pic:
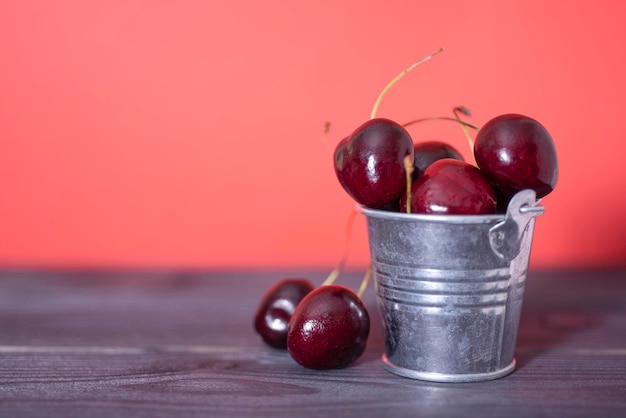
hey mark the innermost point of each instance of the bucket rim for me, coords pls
(429, 217)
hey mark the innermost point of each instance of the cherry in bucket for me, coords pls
(427, 152)
(369, 163)
(516, 152)
(451, 187)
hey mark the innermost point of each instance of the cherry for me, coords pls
(427, 152)
(516, 152)
(369, 162)
(329, 328)
(451, 187)
(276, 308)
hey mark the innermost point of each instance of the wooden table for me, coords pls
(180, 343)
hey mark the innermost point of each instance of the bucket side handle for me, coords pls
(505, 237)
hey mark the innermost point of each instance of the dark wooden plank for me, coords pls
(124, 343)
(238, 382)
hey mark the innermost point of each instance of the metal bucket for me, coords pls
(450, 289)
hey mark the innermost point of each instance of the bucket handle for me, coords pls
(505, 237)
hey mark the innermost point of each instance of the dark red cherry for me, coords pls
(329, 328)
(276, 309)
(451, 187)
(370, 162)
(516, 152)
(427, 152)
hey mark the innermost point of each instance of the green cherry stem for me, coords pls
(365, 281)
(398, 78)
(463, 123)
(342, 263)
(409, 167)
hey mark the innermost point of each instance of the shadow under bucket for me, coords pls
(450, 289)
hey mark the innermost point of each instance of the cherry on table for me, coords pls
(329, 328)
(276, 308)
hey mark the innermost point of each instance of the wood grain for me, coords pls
(180, 343)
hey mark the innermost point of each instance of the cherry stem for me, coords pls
(398, 78)
(463, 123)
(409, 167)
(466, 112)
(342, 263)
(365, 281)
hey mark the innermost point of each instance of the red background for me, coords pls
(190, 133)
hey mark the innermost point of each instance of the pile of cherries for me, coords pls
(512, 152)
(322, 328)
(381, 167)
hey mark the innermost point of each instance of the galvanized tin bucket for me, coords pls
(450, 289)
